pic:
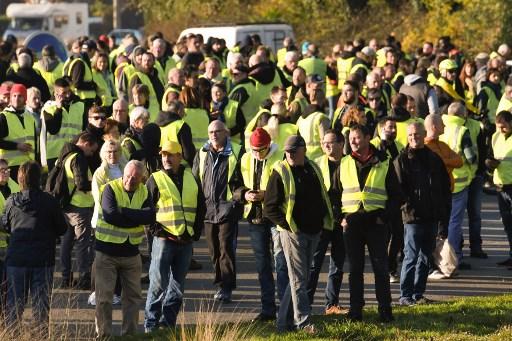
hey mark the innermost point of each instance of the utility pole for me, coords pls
(116, 13)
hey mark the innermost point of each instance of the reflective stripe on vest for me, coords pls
(112, 234)
(232, 160)
(83, 94)
(79, 198)
(198, 121)
(374, 194)
(20, 134)
(502, 150)
(176, 211)
(309, 130)
(71, 126)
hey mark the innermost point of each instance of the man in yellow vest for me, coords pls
(458, 137)
(18, 138)
(79, 211)
(163, 62)
(366, 187)
(332, 146)
(120, 114)
(296, 201)
(64, 119)
(244, 92)
(256, 167)
(126, 206)
(180, 210)
(500, 162)
(217, 167)
(79, 70)
(175, 81)
(506, 99)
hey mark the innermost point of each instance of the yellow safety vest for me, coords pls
(376, 143)
(313, 65)
(401, 131)
(170, 131)
(232, 160)
(19, 133)
(374, 194)
(263, 90)
(448, 88)
(50, 76)
(154, 105)
(247, 167)
(124, 145)
(176, 211)
(492, 104)
(453, 132)
(169, 89)
(323, 164)
(344, 66)
(251, 106)
(504, 105)
(502, 150)
(285, 130)
(251, 126)
(230, 117)
(356, 67)
(112, 234)
(308, 129)
(79, 198)
(83, 94)
(281, 54)
(283, 169)
(70, 127)
(103, 88)
(198, 121)
(474, 129)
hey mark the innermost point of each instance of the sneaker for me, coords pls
(424, 300)
(223, 296)
(437, 275)
(478, 254)
(464, 266)
(92, 299)
(507, 262)
(336, 310)
(194, 265)
(406, 302)
(116, 300)
(393, 277)
(217, 295)
(263, 318)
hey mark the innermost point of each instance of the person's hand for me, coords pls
(215, 114)
(259, 195)
(492, 163)
(250, 196)
(24, 147)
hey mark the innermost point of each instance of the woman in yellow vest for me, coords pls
(195, 115)
(488, 98)
(139, 98)
(104, 81)
(226, 110)
(466, 79)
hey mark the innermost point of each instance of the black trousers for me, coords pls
(220, 239)
(396, 240)
(363, 230)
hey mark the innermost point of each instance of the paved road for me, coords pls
(70, 309)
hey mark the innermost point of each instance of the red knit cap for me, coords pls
(19, 89)
(260, 138)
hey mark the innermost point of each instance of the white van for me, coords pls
(67, 21)
(272, 35)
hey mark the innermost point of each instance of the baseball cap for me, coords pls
(171, 147)
(447, 64)
(293, 142)
(368, 51)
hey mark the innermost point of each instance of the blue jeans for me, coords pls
(298, 249)
(279, 263)
(474, 213)
(21, 280)
(332, 289)
(418, 243)
(505, 205)
(167, 272)
(261, 239)
(459, 203)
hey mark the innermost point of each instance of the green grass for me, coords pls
(475, 318)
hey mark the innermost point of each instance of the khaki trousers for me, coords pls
(129, 270)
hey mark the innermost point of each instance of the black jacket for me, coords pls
(30, 78)
(79, 166)
(34, 220)
(426, 185)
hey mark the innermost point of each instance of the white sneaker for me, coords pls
(116, 300)
(437, 275)
(92, 299)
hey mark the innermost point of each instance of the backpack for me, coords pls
(57, 183)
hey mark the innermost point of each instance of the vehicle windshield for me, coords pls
(27, 24)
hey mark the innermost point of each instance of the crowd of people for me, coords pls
(161, 142)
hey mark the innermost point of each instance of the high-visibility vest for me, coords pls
(124, 145)
(356, 67)
(154, 105)
(331, 90)
(323, 164)
(448, 88)
(504, 105)
(453, 132)
(170, 131)
(229, 112)
(502, 150)
(344, 65)
(103, 87)
(474, 129)
(232, 160)
(198, 121)
(374, 194)
(281, 54)
(50, 76)
(376, 143)
(308, 129)
(167, 91)
(247, 167)
(251, 106)
(79, 198)
(313, 65)
(19, 133)
(283, 169)
(285, 130)
(14, 187)
(112, 234)
(263, 90)
(251, 126)
(83, 94)
(176, 211)
(492, 104)
(70, 127)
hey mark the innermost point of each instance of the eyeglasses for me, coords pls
(4, 170)
(96, 118)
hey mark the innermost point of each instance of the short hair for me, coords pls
(61, 83)
(276, 89)
(4, 162)
(87, 138)
(107, 144)
(399, 100)
(361, 128)
(221, 86)
(504, 117)
(432, 119)
(290, 55)
(96, 109)
(24, 60)
(491, 71)
(417, 124)
(175, 106)
(33, 91)
(457, 109)
(139, 165)
(138, 113)
(141, 89)
(339, 136)
(111, 123)
(29, 175)
(384, 120)
(352, 84)
(374, 92)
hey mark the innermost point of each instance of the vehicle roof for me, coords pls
(41, 10)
